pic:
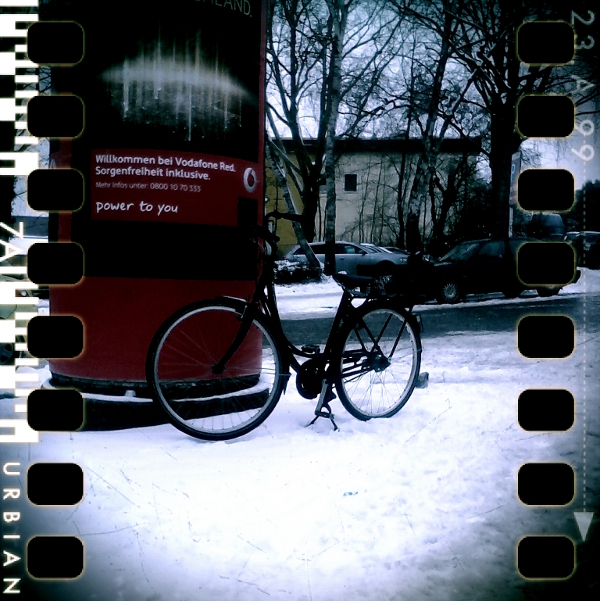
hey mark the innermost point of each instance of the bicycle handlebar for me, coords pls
(265, 233)
(288, 216)
(269, 236)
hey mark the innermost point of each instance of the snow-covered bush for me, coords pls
(292, 272)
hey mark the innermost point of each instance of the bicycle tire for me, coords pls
(377, 380)
(179, 371)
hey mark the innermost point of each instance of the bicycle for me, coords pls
(219, 367)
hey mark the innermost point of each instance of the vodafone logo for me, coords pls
(250, 179)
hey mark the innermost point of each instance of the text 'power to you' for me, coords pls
(143, 207)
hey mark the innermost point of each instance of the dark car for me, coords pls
(349, 255)
(546, 226)
(587, 248)
(481, 266)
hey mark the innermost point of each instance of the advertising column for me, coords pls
(172, 159)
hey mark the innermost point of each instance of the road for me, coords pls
(504, 317)
(441, 320)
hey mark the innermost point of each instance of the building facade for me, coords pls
(373, 181)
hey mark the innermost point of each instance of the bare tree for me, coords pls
(433, 96)
(325, 59)
(486, 44)
(338, 20)
(459, 173)
(476, 79)
(281, 181)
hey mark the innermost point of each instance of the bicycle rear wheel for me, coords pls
(205, 402)
(379, 363)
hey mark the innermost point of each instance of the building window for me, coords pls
(350, 182)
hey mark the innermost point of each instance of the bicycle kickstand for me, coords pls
(323, 409)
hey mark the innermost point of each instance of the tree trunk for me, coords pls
(310, 200)
(381, 225)
(421, 180)
(413, 236)
(282, 184)
(501, 150)
(330, 207)
(427, 158)
(449, 198)
(400, 240)
(338, 13)
(434, 217)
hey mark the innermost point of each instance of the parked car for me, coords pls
(481, 266)
(546, 226)
(395, 249)
(587, 248)
(349, 255)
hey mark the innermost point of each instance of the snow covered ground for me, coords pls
(420, 506)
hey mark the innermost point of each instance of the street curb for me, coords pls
(101, 415)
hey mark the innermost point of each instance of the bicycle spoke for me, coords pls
(217, 405)
(379, 364)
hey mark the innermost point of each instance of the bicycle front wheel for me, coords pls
(380, 362)
(201, 398)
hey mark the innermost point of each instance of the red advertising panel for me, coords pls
(168, 186)
(172, 159)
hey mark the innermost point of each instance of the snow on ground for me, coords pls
(420, 506)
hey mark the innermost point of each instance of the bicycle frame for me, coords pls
(359, 343)
(264, 301)
(344, 311)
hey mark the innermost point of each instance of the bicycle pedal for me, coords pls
(313, 349)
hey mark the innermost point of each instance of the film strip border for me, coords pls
(25, 118)
(543, 264)
(549, 264)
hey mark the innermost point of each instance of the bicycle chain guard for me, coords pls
(310, 378)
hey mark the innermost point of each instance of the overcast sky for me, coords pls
(561, 154)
